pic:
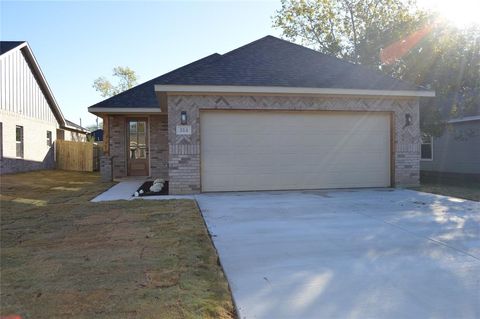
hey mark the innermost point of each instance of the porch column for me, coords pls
(106, 169)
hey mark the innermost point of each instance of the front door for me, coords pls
(137, 147)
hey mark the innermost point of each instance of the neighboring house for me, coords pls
(96, 135)
(30, 118)
(74, 133)
(270, 115)
(455, 152)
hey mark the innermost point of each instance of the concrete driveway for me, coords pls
(348, 254)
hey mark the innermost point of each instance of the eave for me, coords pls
(229, 89)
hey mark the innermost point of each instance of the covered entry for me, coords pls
(281, 150)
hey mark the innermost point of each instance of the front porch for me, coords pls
(135, 146)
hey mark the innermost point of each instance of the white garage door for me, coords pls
(270, 150)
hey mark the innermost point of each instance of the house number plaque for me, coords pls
(184, 130)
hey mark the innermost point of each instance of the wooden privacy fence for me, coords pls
(97, 152)
(75, 156)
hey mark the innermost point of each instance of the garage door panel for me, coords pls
(297, 141)
(248, 150)
(304, 174)
(309, 163)
(355, 158)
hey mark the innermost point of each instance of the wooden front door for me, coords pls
(137, 147)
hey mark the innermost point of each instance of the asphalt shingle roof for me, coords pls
(143, 95)
(6, 46)
(268, 61)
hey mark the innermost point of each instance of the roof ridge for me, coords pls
(247, 45)
(340, 60)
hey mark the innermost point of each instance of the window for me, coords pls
(19, 140)
(138, 139)
(427, 147)
(49, 138)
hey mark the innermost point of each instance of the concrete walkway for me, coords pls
(348, 254)
(124, 190)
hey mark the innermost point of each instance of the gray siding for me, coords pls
(457, 150)
(19, 90)
(22, 103)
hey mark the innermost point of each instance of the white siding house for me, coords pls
(30, 118)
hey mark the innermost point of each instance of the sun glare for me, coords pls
(460, 12)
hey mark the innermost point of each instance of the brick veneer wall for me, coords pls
(184, 151)
(36, 153)
(158, 146)
(106, 168)
(158, 150)
(118, 153)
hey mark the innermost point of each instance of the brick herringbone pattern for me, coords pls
(184, 151)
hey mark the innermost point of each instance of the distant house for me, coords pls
(30, 118)
(455, 152)
(97, 135)
(74, 133)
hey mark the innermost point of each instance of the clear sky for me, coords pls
(76, 42)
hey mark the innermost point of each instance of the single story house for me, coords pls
(454, 154)
(30, 118)
(270, 115)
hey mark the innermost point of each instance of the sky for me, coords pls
(76, 42)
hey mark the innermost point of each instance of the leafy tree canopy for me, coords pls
(398, 38)
(126, 80)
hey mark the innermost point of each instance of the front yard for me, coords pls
(63, 257)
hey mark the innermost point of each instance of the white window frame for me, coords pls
(431, 149)
(21, 142)
(49, 139)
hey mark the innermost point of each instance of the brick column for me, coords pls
(106, 168)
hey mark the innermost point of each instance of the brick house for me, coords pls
(270, 115)
(30, 118)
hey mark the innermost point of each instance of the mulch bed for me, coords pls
(146, 189)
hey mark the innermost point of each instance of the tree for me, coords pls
(400, 40)
(353, 30)
(126, 80)
(448, 61)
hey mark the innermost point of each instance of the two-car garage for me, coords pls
(271, 115)
(281, 150)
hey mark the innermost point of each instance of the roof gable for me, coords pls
(270, 61)
(10, 46)
(24, 47)
(6, 46)
(267, 62)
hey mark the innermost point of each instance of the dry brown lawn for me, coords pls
(461, 189)
(64, 257)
